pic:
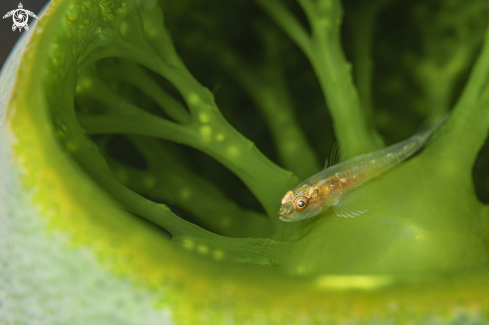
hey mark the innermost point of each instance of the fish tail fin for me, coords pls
(428, 130)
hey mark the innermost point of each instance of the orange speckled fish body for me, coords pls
(327, 188)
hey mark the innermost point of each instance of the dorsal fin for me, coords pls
(335, 155)
(334, 159)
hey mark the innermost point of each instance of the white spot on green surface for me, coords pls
(345, 282)
(206, 133)
(203, 249)
(193, 99)
(218, 254)
(220, 137)
(233, 151)
(324, 23)
(123, 28)
(204, 118)
(301, 269)
(188, 243)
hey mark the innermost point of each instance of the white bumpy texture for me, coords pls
(42, 279)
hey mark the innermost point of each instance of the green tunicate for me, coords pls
(162, 135)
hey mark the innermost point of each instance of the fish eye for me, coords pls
(300, 203)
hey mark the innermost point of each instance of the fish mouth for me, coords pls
(285, 212)
(285, 219)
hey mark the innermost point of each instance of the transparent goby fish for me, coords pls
(330, 187)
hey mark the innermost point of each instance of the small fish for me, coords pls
(328, 187)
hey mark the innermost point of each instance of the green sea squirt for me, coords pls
(101, 83)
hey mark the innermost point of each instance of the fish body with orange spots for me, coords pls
(329, 187)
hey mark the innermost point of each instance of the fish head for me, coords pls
(301, 203)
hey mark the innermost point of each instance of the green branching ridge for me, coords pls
(323, 49)
(141, 87)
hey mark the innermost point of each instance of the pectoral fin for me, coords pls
(348, 206)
